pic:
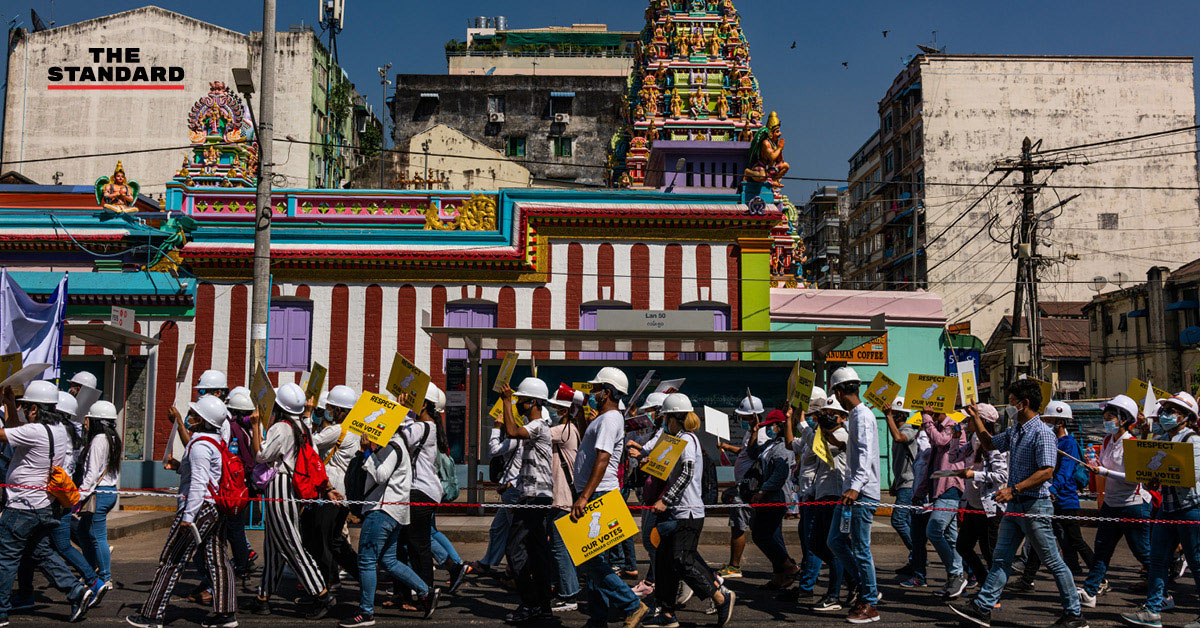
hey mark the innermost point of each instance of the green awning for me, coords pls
(963, 341)
(553, 39)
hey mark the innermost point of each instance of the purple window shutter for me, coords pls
(277, 322)
(474, 316)
(720, 323)
(457, 317)
(299, 327)
(587, 321)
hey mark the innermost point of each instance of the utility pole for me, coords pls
(383, 83)
(916, 230)
(261, 293)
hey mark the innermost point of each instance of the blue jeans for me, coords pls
(649, 517)
(498, 533)
(443, 549)
(810, 562)
(567, 579)
(608, 595)
(853, 550)
(626, 555)
(21, 529)
(1163, 539)
(93, 533)
(1137, 536)
(377, 543)
(1039, 534)
(942, 531)
(60, 538)
(902, 519)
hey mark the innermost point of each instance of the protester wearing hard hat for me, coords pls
(860, 495)
(596, 472)
(322, 525)
(1032, 453)
(28, 519)
(1179, 503)
(565, 436)
(904, 453)
(98, 490)
(213, 382)
(279, 451)
(1123, 500)
(772, 468)
(985, 473)
(638, 447)
(749, 411)
(444, 554)
(79, 380)
(197, 522)
(421, 437)
(802, 480)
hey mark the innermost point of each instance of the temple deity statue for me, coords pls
(116, 193)
(681, 43)
(676, 104)
(698, 103)
(766, 155)
(723, 105)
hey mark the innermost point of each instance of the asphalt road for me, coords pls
(482, 601)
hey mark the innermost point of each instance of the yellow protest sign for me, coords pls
(802, 391)
(316, 381)
(1137, 391)
(882, 392)
(1047, 392)
(583, 387)
(506, 371)
(606, 522)
(497, 413)
(1169, 463)
(663, 457)
(968, 387)
(821, 448)
(407, 380)
(791, 382)
(11, 363)
(375, 417)
(935, 393)
(957, 417)
(916, 419)
(264, 393)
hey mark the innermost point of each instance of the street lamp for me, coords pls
(383, 84)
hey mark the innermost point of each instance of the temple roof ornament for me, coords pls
(224, 144)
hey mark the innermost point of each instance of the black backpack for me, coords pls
(356, 484)
(708, 482)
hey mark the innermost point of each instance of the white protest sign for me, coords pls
(716, 423)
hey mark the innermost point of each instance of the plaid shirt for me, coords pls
(1030, 447)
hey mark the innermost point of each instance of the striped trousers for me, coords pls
(178, 552)
(284, 544)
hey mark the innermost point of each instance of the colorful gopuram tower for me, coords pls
(224, 146)
(691, 81)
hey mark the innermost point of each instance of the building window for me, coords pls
(495, 104)
(587, 320)
(563, 146)
(289, 339)
(720, 323)
(514, 147)
(1108, 221)
(476, 315)
(887, 123)
(888, 162)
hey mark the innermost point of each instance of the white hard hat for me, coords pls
(240, 389)
(240, 401)
(1058, 409)
(676, 402)
(835, 406)
(1181, 400)
(898, 405)
(322, 400)
(67, 405)
(40, 391)
(341, 397)
(817, 404)
(532, 388)
(817, 391)
(84, 378)
(844, 375)
(613, 377)
(103, 410)
(435, 395)
(290, 398)
(749, 405)
(211, 409)
(653, 400)
(1123, 402)
(213, 379)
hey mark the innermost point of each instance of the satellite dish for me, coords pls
(929, 50)
(1098, 283)
(1120, 278)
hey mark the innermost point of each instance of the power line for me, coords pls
(1118, 140)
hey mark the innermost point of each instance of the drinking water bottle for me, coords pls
(846, 514)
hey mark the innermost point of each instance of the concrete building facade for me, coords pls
(822, 220)
(49, 118)
(947, 119)
(864, 216)
(575, 50)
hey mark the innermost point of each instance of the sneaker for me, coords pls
(1180, 566)
(142, 622)
(955, 586)
(725, 611)
(1141, 616)
(1104, 588)
(482, 569)
(104, 589)
(711, 609)
(913, 582)
(361, 620)
(972, 582)
(685, 594)
(855, 599)
(864, 614)
(971, 612)
(636, 616)
(1085, 599)
(661, 620)
(730, 571)
(526, 614)
(79, 608)
(1070, 621)
(1021, 585)
(1168, 603)
(643, 589)
(320, 607)
(3, 621)
(458, 573)
(563, 605)
(429, 604)
(257, 606)
(828, 604)
(201, 596)
(224, 620)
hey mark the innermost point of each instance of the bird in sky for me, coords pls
(793, 44)
(845, 64)
(885, 34)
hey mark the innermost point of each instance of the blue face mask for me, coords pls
(592, 403)
(1167, 422)
(745, 425)
(1158, 428)
(1110, 427)
(812, 422)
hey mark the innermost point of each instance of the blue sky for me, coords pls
(827, 109)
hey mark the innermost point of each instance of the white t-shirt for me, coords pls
(279, 448)
(605, 433)
(425, 475)
(325, 441)
(691, 505)
(537, 476)
(743, 462)
(30, 464)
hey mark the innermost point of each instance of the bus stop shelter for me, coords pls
(747, 345)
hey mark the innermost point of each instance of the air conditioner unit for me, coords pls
(562, 117)
(495, 117)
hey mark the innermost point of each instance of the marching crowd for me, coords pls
(988, 492)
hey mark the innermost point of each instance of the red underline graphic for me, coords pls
(123, 86)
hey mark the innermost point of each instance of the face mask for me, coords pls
(593, 403)
(1110, 427)
(812, 423)
(745, 425)
(1167, 422)
(1010, 412)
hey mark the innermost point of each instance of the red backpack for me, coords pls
(230, 494)
(309, 476)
